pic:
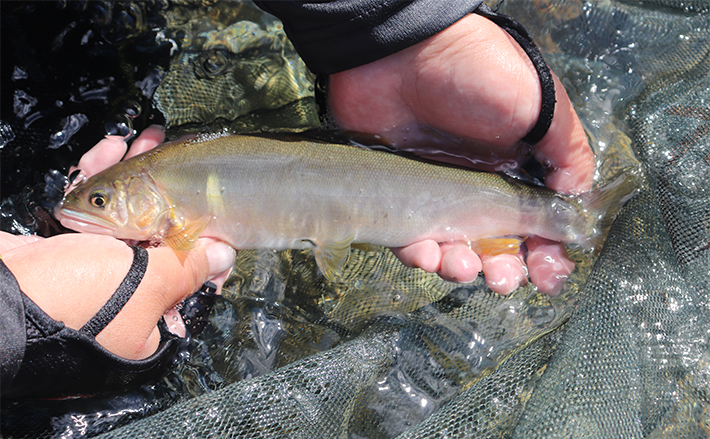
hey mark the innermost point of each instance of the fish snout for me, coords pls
(81, 221)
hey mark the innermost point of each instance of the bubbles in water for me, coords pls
(212, 63)
(132, 109)
(119, 125)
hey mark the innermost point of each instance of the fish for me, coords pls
(262, 191)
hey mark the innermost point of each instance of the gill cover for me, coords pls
(146, 208)
(118, 201)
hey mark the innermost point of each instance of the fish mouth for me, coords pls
(83, 221)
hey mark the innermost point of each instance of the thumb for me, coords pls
(565, 149)
(178, 274)
(170, 277)
(9, 241)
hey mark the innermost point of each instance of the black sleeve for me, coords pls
(332, 36)
(43, 358)
(12, 335)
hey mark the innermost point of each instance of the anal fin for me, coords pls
(497, 246)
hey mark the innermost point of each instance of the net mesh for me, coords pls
(393, 352)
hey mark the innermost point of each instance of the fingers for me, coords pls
(112, 149)
(151, 137)
(549, 265)
(504, 273)
(454, 262)
(565, 149)
(459, 263)
(104, 154)
(546, 264)
(424, 254)
(171, 276)
(9, 241)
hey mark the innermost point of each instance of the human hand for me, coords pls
(72, 276)
(471, 83)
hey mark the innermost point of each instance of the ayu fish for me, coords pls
(266, 192)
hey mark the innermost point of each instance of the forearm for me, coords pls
(339, 35)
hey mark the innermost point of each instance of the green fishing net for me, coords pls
(392, 352)
(235, 69)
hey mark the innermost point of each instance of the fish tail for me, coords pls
(603, 203)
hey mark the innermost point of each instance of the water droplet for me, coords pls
(120, 125)
(74, 175)
(132, 109)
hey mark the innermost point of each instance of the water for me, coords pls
(95, 68)
(75, 71)
(68, 68)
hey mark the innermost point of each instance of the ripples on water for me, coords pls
(70, 72)
(94, 69)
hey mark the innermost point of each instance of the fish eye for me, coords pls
(98, 199)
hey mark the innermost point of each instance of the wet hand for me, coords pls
(72, 276)
(112, 149)
(472, 89)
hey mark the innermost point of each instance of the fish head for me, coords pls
(116, 202)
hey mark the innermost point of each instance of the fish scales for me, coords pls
(279, 193)
(288, 192)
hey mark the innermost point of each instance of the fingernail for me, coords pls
(220, 257)
(157, 127)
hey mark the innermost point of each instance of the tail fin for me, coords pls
(603, 203)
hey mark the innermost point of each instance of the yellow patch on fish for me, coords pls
(214, 194)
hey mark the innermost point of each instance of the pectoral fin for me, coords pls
(183, 238)
(331, 256)
(496, 246)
